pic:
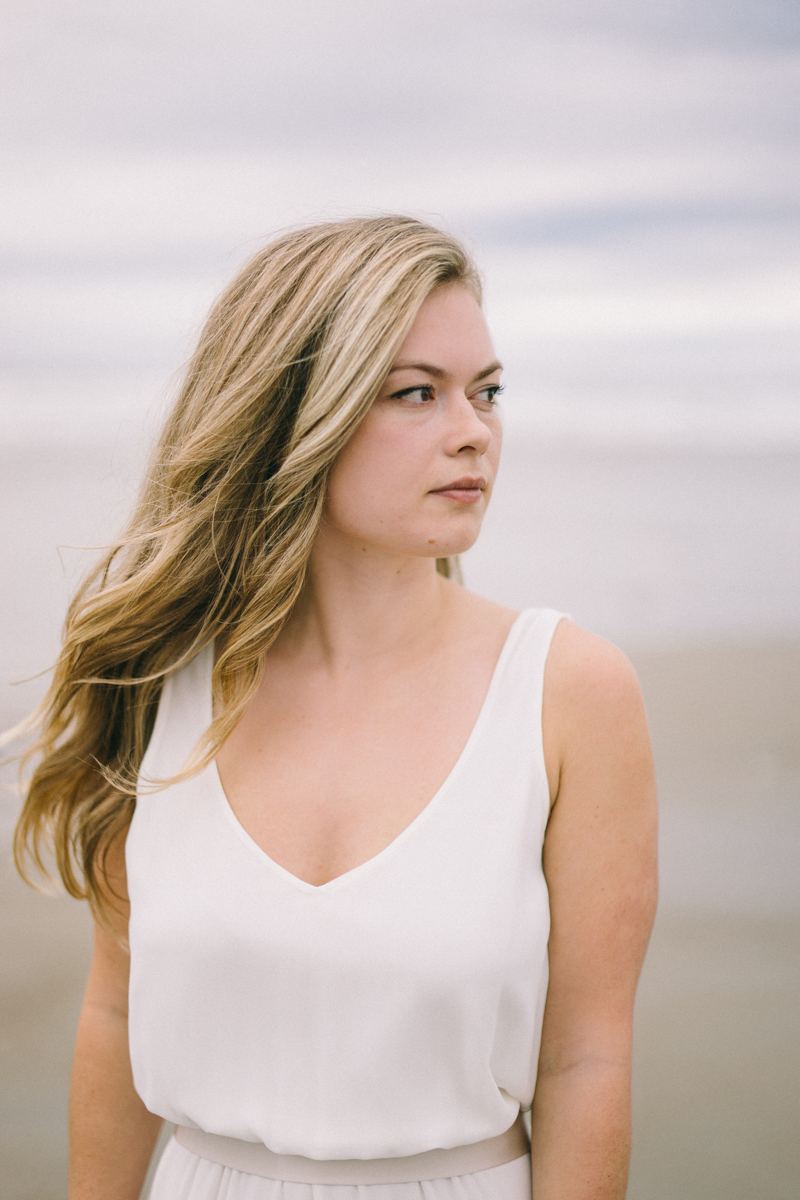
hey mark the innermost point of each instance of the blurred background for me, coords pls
(626, 175)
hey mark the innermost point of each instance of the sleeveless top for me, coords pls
(394, 1010)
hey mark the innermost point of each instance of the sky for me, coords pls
(625, 173)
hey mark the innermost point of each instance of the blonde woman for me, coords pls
(373, 809)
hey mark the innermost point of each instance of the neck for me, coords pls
(362, 606)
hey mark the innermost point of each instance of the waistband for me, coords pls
(255, 1159)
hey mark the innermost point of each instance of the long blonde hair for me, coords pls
(288, 363)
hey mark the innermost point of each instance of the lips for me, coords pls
(467, 490)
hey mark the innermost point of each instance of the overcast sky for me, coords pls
(626, 173)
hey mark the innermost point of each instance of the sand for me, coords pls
(718, 1024)
(691, 550)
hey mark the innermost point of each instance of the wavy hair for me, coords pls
(288, 362)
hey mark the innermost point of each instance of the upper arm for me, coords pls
(600, 845)
(107, 986)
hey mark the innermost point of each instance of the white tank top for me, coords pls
(395, 1009)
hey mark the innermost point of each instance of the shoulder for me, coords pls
(600, 846)
(593, 711)
(585, 670)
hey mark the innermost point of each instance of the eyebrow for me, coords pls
(438, 373)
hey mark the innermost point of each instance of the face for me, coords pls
(416, 477)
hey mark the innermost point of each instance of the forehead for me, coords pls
(449, 324)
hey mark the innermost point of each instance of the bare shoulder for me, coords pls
(593, 709)
(600, 847)
(585, 670)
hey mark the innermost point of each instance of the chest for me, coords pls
(323, 773)
(432, 948)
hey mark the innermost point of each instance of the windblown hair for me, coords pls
(288, 363)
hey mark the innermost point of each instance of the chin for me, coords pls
(449, 544)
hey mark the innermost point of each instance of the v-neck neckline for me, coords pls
(422, 816)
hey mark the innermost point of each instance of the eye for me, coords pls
(488, 395)
(417, 395)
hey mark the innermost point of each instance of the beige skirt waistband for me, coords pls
(255, 1159)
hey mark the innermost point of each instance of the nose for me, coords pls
(466, 431)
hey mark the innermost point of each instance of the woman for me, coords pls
(372, 804)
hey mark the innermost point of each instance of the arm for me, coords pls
(112, 1135)
(600, 865)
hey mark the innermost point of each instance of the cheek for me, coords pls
(495, 447)
(376, 476)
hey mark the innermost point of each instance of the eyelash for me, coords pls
(494, 388)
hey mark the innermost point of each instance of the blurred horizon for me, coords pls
(625, 174)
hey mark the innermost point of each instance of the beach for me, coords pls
(628, 190)
(688, 560)
(716, 1069)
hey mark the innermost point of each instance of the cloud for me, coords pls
(421, 76)
(626, 172)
